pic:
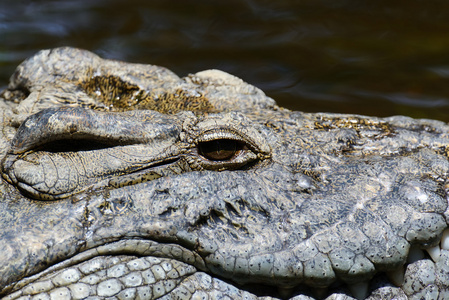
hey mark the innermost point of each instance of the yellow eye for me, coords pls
(219, 150)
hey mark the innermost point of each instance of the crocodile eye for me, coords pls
(223, 142)
(224, 150)
(219, 150)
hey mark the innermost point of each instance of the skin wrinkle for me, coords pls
(45, 177)
(284, 219)
(78, 170)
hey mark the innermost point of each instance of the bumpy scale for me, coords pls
(125, 181)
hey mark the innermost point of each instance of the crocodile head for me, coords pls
(124, 180)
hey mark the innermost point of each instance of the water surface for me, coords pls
(367, 57)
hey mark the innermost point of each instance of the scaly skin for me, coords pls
(124, 180)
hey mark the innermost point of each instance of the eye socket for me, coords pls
(220, 149)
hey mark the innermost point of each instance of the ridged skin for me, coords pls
(110, 188)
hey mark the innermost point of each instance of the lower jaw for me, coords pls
(115, 271)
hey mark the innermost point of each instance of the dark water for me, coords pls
(368, 57)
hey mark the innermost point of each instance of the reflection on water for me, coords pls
(378, 58)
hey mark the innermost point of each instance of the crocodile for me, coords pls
(125, 181)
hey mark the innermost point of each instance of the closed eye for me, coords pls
(74, 145)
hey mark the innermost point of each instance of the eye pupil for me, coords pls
(218, 150)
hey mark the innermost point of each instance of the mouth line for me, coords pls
(129, 249)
